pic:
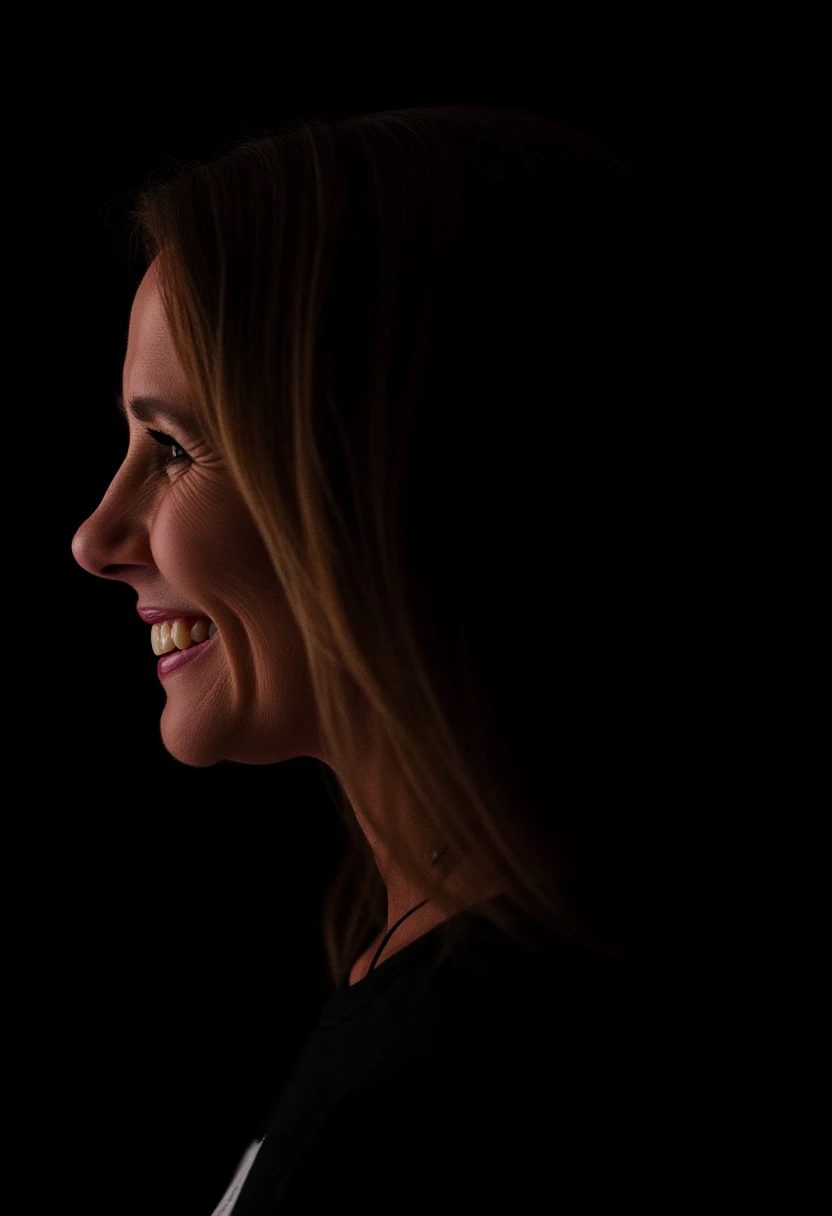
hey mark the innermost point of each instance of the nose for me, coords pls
(114, 541)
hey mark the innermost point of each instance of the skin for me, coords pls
(182, 537)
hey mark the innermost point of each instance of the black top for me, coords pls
(516, 1080)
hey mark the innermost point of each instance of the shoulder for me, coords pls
(506, 1107)
(561, 1078)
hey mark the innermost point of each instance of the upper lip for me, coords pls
(155, 616)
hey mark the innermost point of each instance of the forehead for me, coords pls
(147, 319)
(150, 365)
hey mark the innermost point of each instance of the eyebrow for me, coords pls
(145, 409)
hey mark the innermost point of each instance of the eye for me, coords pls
(178, 452)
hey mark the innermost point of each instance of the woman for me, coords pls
(414, 486)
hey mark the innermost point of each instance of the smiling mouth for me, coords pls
(180, 635)
(175, 660)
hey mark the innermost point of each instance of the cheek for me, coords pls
(183, 539)
(204, 543)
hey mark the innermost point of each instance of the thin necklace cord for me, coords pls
(438, 854)
(391, 930)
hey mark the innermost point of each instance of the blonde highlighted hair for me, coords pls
(444, 353)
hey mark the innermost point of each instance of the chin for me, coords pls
(198, 747)
(196, 753)
(191, 739)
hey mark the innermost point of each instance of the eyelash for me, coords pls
(169, 442)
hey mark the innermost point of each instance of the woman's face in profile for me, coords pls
(174, 527)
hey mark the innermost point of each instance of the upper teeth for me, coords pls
(175, 635)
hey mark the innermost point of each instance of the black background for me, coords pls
(165, 960)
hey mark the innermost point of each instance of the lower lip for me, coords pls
(177, 659)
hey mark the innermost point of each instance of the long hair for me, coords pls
(449, 357)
